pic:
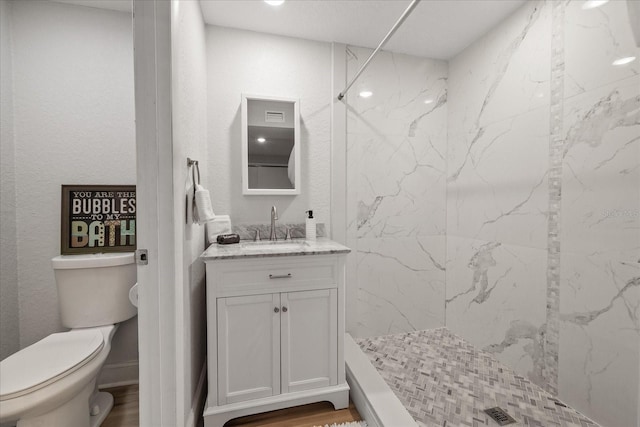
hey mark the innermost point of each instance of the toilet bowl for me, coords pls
(52, 383)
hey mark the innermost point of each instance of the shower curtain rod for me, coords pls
(399, 22)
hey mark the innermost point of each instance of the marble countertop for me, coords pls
(296, 247)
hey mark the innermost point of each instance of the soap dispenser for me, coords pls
(310, 229)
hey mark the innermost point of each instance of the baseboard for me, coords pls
(119, 374)
(195, 415)
(216, 416)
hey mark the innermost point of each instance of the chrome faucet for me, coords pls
(274, 216)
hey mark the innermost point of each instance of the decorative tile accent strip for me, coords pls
(444, 381)
(556, 147)
(248, 231)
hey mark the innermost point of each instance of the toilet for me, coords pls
(52, 383)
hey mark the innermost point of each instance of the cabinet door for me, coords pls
(309, 325)
(248, 347)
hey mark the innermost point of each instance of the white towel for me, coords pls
(189, 192)
(203, 205)
(220, 225)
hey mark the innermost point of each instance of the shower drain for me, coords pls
(499, 416)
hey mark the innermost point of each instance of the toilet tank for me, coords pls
(93, 289)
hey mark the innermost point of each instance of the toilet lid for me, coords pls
(47, 361)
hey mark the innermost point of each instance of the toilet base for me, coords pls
(74, 412)
(100, 407)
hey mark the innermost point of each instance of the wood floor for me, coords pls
(125, 413)
(316, 414)
(125, 407)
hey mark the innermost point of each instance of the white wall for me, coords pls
(9, 327)
(189, 105)
(247, 62)
(73, 124)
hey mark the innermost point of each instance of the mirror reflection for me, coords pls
(271, 140)
(270, 127)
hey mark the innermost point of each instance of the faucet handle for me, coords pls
(257, 238)
(288, 235)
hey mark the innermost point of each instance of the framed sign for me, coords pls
(98, 218)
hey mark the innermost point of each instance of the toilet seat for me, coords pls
(47, 361)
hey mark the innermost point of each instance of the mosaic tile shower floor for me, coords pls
(444, 381)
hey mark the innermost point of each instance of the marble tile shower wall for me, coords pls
(543, 203)
(599, 322)
(396, 185)
(497, 190)
(509, 208)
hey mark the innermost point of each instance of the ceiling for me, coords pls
(118, 5)
(438, 29)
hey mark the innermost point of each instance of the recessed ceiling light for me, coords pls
(274, 2)
(592, 4)
(428, 101)
(261, 140)
(366, 94)
(624, 61)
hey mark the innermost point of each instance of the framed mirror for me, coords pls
(270, 145)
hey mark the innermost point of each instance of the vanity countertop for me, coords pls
(296, 247)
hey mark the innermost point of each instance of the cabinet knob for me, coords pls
(285, 309)
(276, 310)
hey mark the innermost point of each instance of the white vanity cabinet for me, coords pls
(276, 343)
(248, 348)
(275, 331)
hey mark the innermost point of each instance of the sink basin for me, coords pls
(276, 245)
